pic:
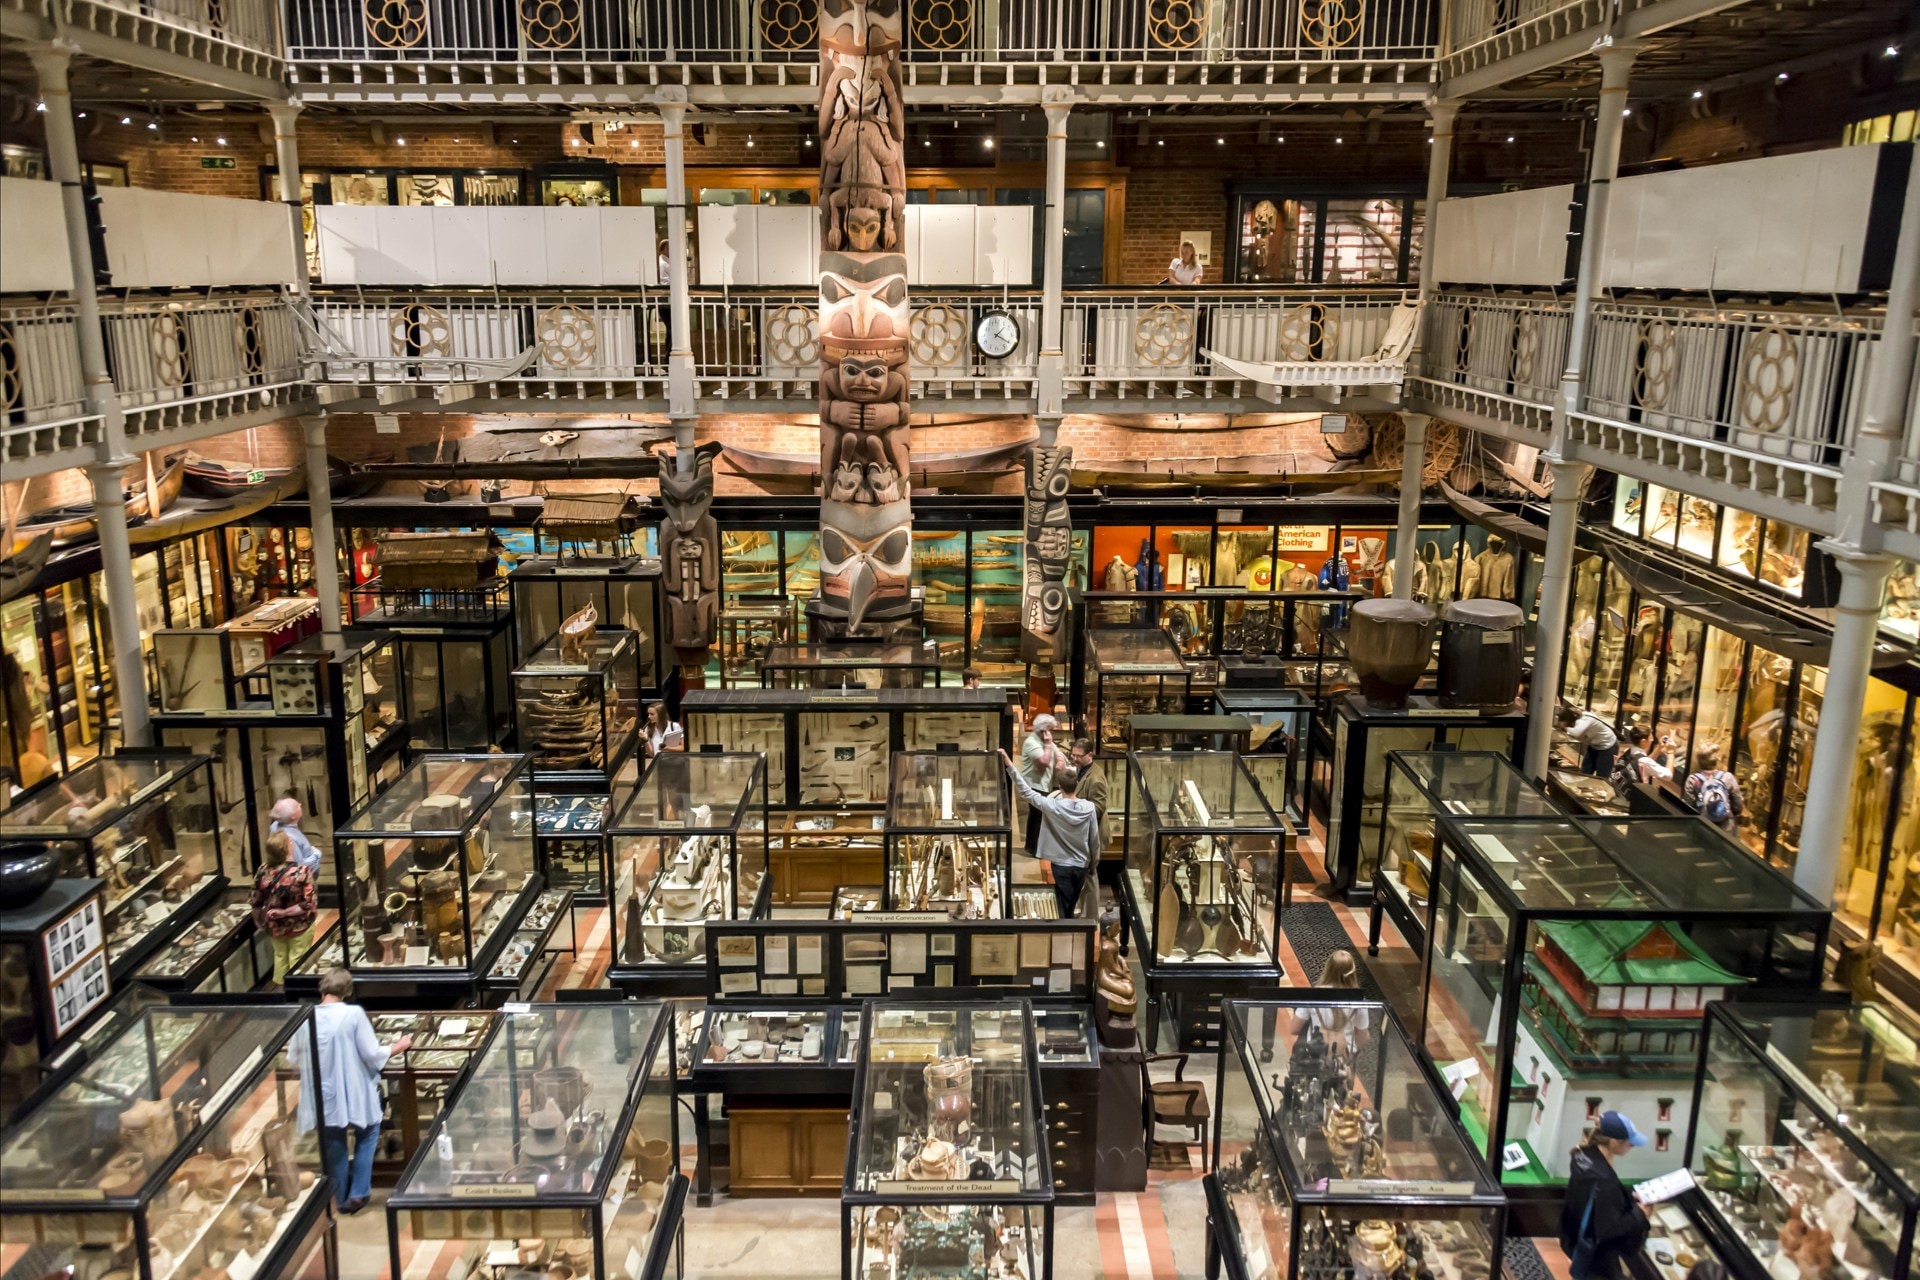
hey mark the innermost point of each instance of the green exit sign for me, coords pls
(217, 162)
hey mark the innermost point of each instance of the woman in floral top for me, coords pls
(284, 903)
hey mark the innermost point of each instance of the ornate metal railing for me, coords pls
(43, 407)
(163, 350)
(759, 31)
(1513, 346)
(773, 335)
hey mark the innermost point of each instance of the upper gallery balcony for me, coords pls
(232, 45)
(987, 51)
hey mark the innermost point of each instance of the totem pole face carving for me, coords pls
(865, 467)
(690, 551)
(1049, 530)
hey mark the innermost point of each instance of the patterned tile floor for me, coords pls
(1155, 1234)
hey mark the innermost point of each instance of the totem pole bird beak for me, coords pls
(859, 592)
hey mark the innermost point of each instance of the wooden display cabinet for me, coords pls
(812, 852)
(778, 1150)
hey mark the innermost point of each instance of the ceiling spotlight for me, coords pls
(1891, 51)
(806, 142)
(1102, 144)
(153, 124)
(749, 140)
(194, 138)
(1509, 137)
(1699, 94)
(1338, 141)
(989, 144)
(1281, 138)
(1626, 111)
(576, 142)
(1781, 78)
(126, 119)
(399, 142)
(1219, 142)
(635, 144)
(41, 106)
(220, 142)
(1159, 142)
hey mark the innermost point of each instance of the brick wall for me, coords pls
(1806, 112)
(278, 444)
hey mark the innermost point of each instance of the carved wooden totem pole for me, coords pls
(866, 518)
(1049, 530)
(690, 558)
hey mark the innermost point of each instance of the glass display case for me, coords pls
(1804, 1140)
(625, 595)
(143, 823)
(1136, 671)
(1354, 799)
(415, 1085)
(1277, 743)
(192, 669)
(947, 1172)
(570, 843)
(53, 977)
(1420, 786)
(185, 1145)
(688, 846)
(1566, 964)
(829, 748)
(219, 953)
(749, 627)
(948, 841)
(558, 1155)
(737, 1036)
(455, 669)
(1337, 1153)
(1205, 855)
(853, 665)
(436, 872)
(578, 705)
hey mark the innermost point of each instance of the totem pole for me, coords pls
(866, 518)
(1049, 530)
(690, 557)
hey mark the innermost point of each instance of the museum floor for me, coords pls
(1157, 1234)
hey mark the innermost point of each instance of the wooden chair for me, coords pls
(1179, 1101)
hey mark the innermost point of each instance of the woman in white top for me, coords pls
(1186, 268)
(660, 727)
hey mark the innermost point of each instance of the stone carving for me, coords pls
(1049, 529)
(690, 553)
(866, 519)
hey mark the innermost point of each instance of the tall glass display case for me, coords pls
(625, 594)
(1136, 671)
(1566, 965)
(947, 1168)
(1349, 787)
(1205, 853)
(145, 825)
(1804, 1140)
(688, 846)
(1278, 743)
(558, 1155)
(578, 707)
(1337, 1153)
(948, 842)
(570, 844)
(436, 872)
(183, 1146)
(455, 673)
(1420, 786)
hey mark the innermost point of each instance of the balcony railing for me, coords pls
(247, 29)
(681, 31)
(772, 337)
(163, 351)
(1514, 347)
(42, 397)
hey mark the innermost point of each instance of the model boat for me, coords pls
(71, 525)
(220, 478)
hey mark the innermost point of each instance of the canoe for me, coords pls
(220, 478)
(20, 570)
(198, 515)
(70, 526)
(1194, 478)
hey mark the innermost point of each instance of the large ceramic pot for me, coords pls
(1388, 643)
(1480, 653)
(26, 871)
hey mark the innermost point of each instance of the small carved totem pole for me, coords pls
(690, 558)
(866, 518)
(1049, 530)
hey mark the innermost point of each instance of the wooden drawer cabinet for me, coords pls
(809, 862)
(786, 1150)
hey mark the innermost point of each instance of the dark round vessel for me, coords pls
(26, 870)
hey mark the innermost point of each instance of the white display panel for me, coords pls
(167, 239)
(1513, 237)
(729, 244)
(464, 245)
(33, 228)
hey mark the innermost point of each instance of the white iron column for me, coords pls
(1556, 570)
(1863, 570)
(1052, 388)
(680, 394)
(286, 153)
(109, 500)
(1439, 164)
(326, 549)
(1413, 465)
(1856, 624)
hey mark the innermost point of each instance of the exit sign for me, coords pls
(217, 162)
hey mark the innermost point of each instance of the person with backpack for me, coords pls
(1600, 1223)
(1714, 792)
(1627, 765)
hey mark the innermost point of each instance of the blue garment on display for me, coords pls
(1151, 576)
(1333, 574)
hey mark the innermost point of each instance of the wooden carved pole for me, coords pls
(1049, 532)
(866, 518)
(690, 560)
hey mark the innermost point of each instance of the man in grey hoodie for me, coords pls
(1069, 831)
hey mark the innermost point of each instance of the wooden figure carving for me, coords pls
(866, 520)
(576, 635)
(1049, 530)
(690, 551)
